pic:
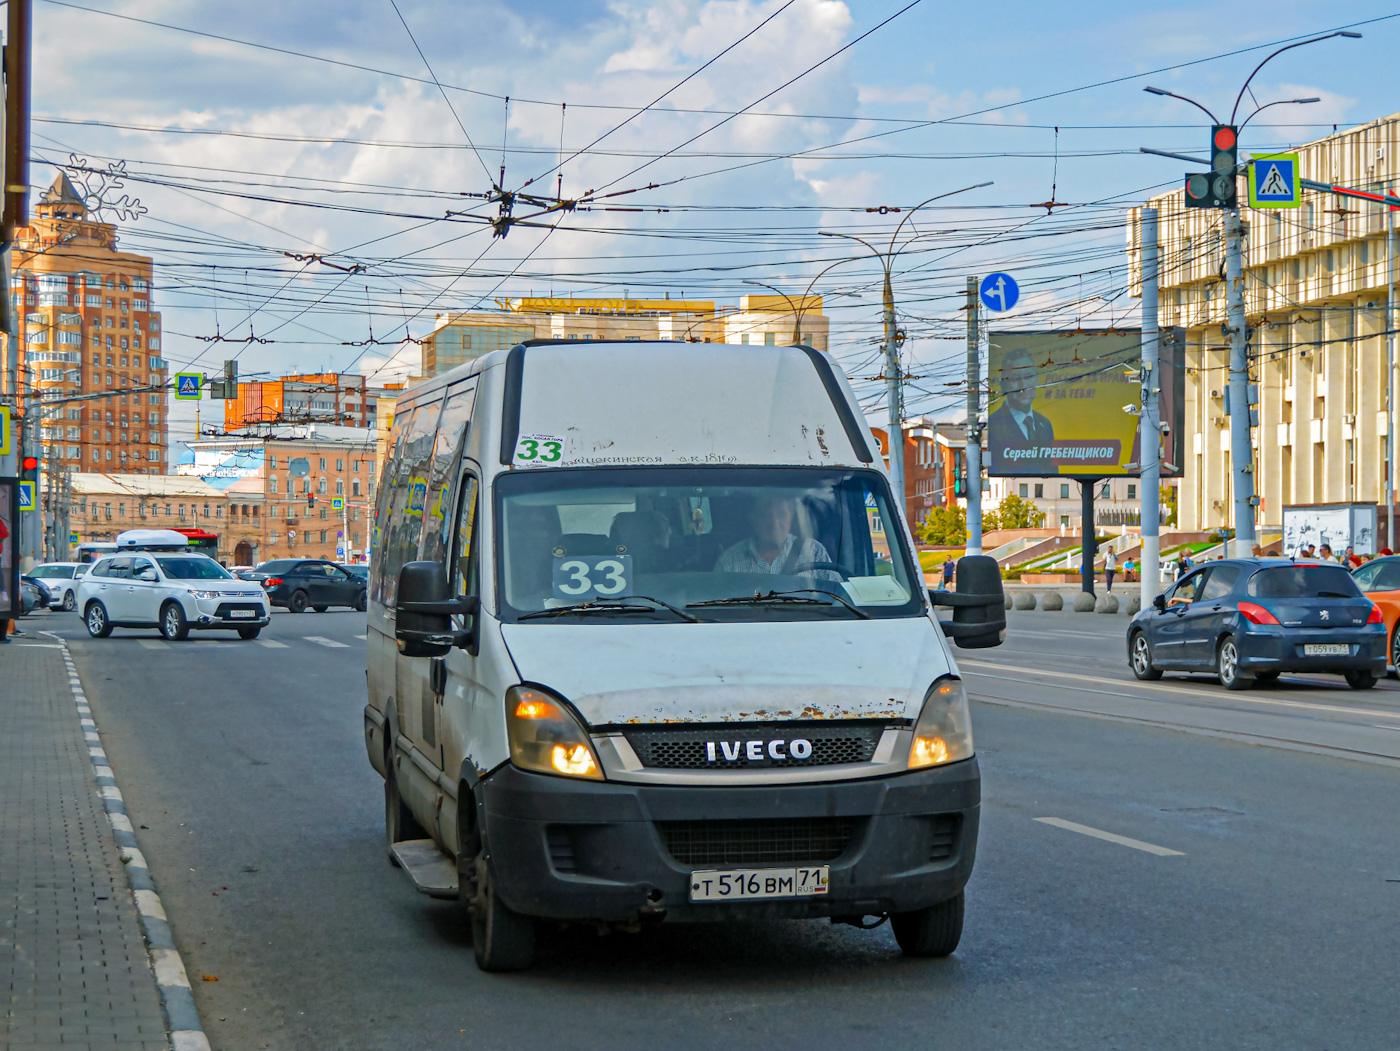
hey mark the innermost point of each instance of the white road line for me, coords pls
(273, 644)
(359, 636)
(326, 642)
(1098, 833)
(152, 644)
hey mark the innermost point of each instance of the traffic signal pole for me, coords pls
(1149, 416)
(1241, 447)
(974, 429)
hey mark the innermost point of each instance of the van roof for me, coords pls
(621, 403)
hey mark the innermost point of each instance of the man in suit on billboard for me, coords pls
(1016, 426)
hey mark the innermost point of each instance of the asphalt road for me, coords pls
(1257, 910)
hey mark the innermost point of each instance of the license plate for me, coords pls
(243, 613)
(1326, 649)
(754, 884)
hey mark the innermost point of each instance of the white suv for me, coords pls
(175, 592)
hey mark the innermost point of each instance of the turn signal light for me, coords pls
(535, 709)
(1256, 614)
(1376, 617)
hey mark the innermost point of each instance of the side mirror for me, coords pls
(979, 604)
(1159, 603)
(148, 574)
(423, 620)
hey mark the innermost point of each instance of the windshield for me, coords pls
(686, 536)
(192, 569)
(1303, 581)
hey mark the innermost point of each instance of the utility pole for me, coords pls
(894, 394)
(974, 428)
(1390, 377)
(1149, 415)
(1241, 448)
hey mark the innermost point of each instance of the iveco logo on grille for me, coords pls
(757, 751)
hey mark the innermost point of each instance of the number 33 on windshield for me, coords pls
(592, 576)
(539, 448)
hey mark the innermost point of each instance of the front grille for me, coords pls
(767, 841)
(944, 838)
(687, 748)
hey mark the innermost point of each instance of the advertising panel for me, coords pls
(1066, 403)
(237, 470)
(1339, 526)
(10, 601)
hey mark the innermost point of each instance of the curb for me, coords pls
(181, 1016)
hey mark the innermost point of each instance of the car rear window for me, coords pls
(277, 566)
(1303, 581)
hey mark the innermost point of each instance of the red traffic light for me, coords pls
(30, 463)
(1224, 137)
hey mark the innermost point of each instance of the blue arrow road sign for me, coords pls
(999, 292)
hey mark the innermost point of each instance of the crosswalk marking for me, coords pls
(326, 642)
(152, 644)
(273, 644)
(359, 636)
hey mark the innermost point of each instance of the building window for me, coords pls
(320, 485)
(1025, 490)
(1040, 490)
(1064, 521)
(323, 536)
(355, 466)
(323, 465)
(323, 512)
(744, 338)
(340, 465)
(272, 463)
(1064, 491)
(1132, 491)
(272, 483)
(340, 487)
(355, 487)
(770, 339)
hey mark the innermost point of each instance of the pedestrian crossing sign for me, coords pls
(188, 386)
(1273, 182)
(27, 502)
(337, 504)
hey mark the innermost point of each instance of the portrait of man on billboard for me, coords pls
(1016, 425)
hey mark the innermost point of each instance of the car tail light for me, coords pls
(1376, 616)
(272, 582)
(1256, 614)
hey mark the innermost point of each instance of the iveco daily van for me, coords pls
(648, 640)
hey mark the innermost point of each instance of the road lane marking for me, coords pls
(1177, 689)
(152, 644)
(1098, 833)
(359, 636)
(326, 642)
(273, 644)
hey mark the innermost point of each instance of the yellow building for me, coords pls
(87, 327)
(769, 319)
(1315, 301)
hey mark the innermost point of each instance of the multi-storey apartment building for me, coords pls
(1315, 301)
(771, 320)
(87, 327)
(326, 397)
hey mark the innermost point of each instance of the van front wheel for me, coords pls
(934, 931)
(502, 940)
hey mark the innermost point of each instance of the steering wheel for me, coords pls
(807, 567)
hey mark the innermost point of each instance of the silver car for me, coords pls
(174, 592)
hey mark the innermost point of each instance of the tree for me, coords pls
(944, 527)
(1014, 512)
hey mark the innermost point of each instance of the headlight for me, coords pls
(203, 594)
(546, 736)
(943, 733)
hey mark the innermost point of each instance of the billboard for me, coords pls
(1065, 403)
(1339, 526)
(238, 470)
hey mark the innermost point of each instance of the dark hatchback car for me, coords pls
(296, 583)
(1247, 620)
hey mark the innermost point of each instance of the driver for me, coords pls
(774, 548)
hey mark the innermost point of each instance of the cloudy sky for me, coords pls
(259, 133)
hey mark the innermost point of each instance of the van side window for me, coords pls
(403, 530)
(387, 488)
(451, 432)
(465, 568)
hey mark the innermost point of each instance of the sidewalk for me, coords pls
(74, 967)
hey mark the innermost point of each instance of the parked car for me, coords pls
(61, 579)
(32, 595)
(296, 583)
(1379, 579)
(243, 572)
(1250, 619)
(176, 592)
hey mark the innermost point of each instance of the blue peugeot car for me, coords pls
(1248, 619)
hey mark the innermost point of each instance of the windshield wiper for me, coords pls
(614, 605)
(757, 599)
(1332, 594)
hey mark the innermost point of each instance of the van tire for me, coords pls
(502, 940)
(297, 603)
(934, 931)
(399, 822)
(172, 622)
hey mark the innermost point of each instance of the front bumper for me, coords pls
(215, 613)
(571, 849)
(1273, 650)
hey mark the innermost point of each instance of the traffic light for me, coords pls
(310, 500)
(1216, 188)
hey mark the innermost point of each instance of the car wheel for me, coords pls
(249, 633)
(934, 931)
(95, 617)
(360, 602)
(172, 622)
(1227, 665)
(297, 604)
(1395, 647)
(1141, 658)
(502, 940)
(320, 609)
(69, 601)
(1360, 680)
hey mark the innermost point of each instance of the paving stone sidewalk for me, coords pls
(74, 970)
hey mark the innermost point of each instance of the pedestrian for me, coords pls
(1386, 551)
(949, 566)
(1110, 566)
(1324, 553)
(1257, 551)
(1128, 566)
(1350, 560)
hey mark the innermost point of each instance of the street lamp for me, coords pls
(892, 377)
(1241, 447)
(797, 312)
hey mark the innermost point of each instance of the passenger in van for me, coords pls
(774, 548)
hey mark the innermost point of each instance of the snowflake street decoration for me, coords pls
(98, 188)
